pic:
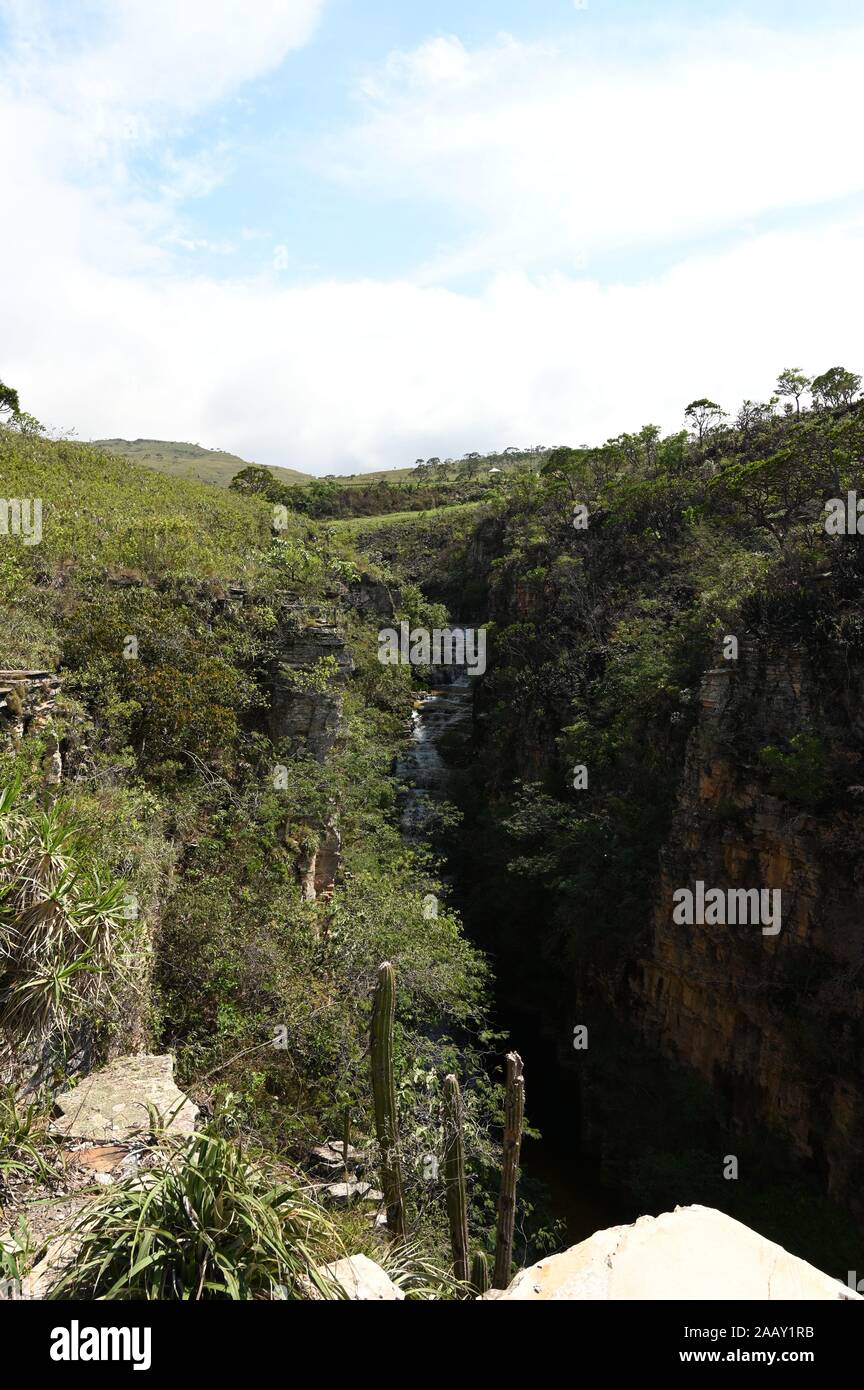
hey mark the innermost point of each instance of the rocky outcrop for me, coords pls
(372, 598)
(310, 668)
(114, 1103)
(362, 1280)
(691, 1253)
(774, 1022)
(318, 860)
(26, 700)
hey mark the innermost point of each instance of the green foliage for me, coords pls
(836, 387)
(799, 773)
(190, 460)
(63, 936)
(793, 382)
(704, 416)
(22, 1137)
(325, 498)
(104, 514)
(9, 402)
(209, 1224)
(598, 648)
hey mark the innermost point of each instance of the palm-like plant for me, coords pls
(61, 923)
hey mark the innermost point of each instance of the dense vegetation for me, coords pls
(600, 637)
(331, 497)
(168, 801)
(609, 575)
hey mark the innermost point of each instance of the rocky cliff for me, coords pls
(310, 666)
(740, 774)
(774, 1022)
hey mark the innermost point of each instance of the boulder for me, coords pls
(345, 1194)
(333, 1155)
(112, 1104)
(363, 1280)
(690, 1253)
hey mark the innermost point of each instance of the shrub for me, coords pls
(61, 923)
(798, 775)
(208, 1225)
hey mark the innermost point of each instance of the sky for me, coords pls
(341, 235)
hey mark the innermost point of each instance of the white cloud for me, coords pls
(108, 328)
(553, 152)
(86, 91)
(338, 376)
(152, 57)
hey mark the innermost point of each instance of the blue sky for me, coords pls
(342, 235)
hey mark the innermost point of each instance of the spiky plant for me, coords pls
(384, 1097)
(62, 936)
(417, 1273)
(210, 1224)
(480, 1279)
(514, 1117)
(454, 1177)
(20, 1136)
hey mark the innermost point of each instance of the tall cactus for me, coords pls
(514, 1115)
(454, 1177)
(480, 1272)
(384, 1096)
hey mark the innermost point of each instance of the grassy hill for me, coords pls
(218, 466)
(189, 460)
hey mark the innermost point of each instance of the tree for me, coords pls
(835, 387)
(703, 416)
(9, 403)
(792, 382)
(637, 453)
(753, 417)
(566, 468)
(254, 481)
(777, 491)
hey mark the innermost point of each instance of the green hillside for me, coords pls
(219, 466)
(189, 460)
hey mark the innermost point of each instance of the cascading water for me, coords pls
(441, 717)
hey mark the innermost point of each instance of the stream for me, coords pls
(431, 771)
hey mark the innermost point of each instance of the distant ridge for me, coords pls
(190, 460)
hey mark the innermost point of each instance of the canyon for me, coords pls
(768, 1021)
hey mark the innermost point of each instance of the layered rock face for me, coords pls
(310, 671)
(302, 709)
(774, 1022)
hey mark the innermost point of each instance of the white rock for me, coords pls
(345, 1194)
(691, 1253)
(111, 1104)
(363, 1280)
